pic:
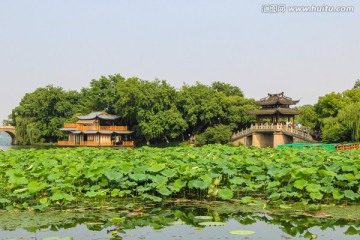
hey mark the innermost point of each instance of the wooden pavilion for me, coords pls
(96, 129)
(275, 108)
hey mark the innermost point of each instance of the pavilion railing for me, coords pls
(81, 127)
(91, 143)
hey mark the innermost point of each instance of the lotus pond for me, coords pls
(293, 180)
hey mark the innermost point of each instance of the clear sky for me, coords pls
(68, 43)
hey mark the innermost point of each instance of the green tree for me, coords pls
(308, 117)
(218, 134)
(338, 116)
(200, 106)
(345, 126)
(102, 94)
(329, 105)
(42, 112)
(227, 89)
(234, 111)
(357, 84)
(149, 107)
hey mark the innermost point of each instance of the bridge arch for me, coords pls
(11, 131)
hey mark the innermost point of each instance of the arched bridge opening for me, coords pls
(11, 131)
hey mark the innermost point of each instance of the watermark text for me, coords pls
(283, 8)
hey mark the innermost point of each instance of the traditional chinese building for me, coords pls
(96, 129)
(275, 124)
(275, 109)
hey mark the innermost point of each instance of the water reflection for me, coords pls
(5, 141)
(173, 222)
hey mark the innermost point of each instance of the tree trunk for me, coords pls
(147, 141)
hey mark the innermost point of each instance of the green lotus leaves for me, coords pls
(242, 232)
(337, 195)
(41, 178)
(273, 184)
(349, 177)
(33, 187)
(4, 200)
(325, 173)
(113, 175)
(164, 191)
(62, 196)
(203, 217)
(316, 196)
(312, 187)
(138, 177)
(179, 184)
(351, 195)
(169, 173)
(157, 167)
(199, 184)
(352, 231)
(237, 180)
(300, 184)
(211, 223)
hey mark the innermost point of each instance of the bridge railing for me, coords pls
(297, 132)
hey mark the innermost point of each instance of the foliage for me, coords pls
(218, 134)
(308, 117)
(154, 110)
(42, 112)
(204, 107)
(57, 177)
(339, 115)
(345, 126)
(336, 115)
(357, 84)
(227, 89)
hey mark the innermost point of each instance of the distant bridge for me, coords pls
(271, 135)
(11, 131)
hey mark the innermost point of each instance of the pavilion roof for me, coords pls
(273, 111)
(276, 99)
(99, 115)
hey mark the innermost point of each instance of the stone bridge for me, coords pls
(271, 135)
(11, 131)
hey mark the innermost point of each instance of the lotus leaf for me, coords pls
(242, 232)
(313, 187)
(157, 167)
(203, 217)
(300, 184)
(211, 223)
(351, 195)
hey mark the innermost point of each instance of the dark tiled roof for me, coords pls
(272, 111)
(86, 122)
(276, 99)
(90, 132)
(100, 115)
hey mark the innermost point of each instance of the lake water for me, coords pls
(173, 223)
(5, 141)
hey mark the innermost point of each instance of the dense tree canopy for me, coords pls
(158, 112)
(155, 110)
(42, 112)
(336, 115)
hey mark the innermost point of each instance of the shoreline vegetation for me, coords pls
(43, 179)
(158, 113)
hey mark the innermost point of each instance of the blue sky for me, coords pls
(68, 43)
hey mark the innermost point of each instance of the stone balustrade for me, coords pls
(302, 133)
